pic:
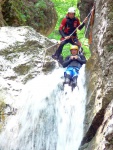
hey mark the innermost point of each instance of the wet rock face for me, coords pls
(97, 128)
(40, 15)
(23, 56)
(85, 7)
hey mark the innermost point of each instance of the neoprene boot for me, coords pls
(67, 79)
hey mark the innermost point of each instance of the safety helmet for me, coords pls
(74, 47)
(71, 10)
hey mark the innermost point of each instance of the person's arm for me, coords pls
(83, 24)
(81, 59)
(62, 26)
(66, 61)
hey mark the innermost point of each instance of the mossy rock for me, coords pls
(2, 105)
(22, 69)
(39, 14)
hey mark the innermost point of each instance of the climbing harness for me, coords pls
(90, 14)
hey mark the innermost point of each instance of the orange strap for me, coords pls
(91, 27)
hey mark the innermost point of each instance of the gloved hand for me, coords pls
(74, 57)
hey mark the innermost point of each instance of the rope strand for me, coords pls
(86, 29)
(88, 24)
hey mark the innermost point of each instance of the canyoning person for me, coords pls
(73, 63)
(68, 25)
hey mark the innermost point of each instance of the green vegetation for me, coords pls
(2, 116)
(61, 7)
(110, 48)
(19, 12)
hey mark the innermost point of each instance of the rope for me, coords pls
(45, 50)
(69, 36)
(88, 24)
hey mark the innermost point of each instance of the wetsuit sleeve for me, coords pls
(81, 59)
(62, 33)
(66, 62)
(62, 26)
(80, 26)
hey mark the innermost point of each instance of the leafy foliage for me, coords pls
(61, 7)
(22, 12)
(40, 4)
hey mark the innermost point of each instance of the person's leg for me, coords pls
(67, 76)
(60, 59)
(59, 50)
(78, 43)
(74, 78)
(74, 81)
(75, 41)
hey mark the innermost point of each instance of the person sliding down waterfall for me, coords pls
(67, 30)
(73, 63)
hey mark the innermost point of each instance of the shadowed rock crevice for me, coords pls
(97, 121)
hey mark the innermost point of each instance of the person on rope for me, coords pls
(73, 63)
(68, 25)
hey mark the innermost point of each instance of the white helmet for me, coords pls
(71, 10)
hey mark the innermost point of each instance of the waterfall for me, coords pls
(49, 117)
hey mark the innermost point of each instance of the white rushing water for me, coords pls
(49, 117)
